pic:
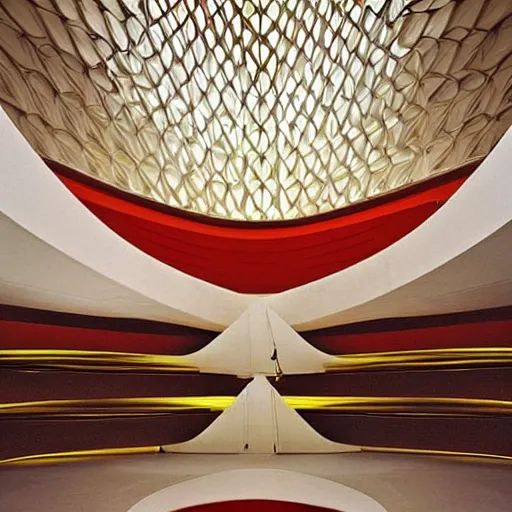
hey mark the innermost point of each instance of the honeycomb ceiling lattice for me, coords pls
(261, 109)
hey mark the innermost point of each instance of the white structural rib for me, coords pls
(259, 342)
(259, 421)
(55, 254)
(458, 260)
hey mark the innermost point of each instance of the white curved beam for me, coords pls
(258, 484)
(81, 250)
(456, 261)
(407, 278)
(34, 274)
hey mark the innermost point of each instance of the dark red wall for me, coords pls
(255, 506)
(262, 257)
(27, 328)
(483, 328)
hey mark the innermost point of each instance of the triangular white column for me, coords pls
(243, 349)
(259, 421)
(259, 342)
(295, 354)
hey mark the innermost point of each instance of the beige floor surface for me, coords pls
(401, 483)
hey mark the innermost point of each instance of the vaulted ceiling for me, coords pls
(258, 110)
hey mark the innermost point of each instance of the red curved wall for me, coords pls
(262, 257)
(255, 506)
(482, 328)
(27, 328)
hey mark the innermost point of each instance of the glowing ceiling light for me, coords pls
(258, 109)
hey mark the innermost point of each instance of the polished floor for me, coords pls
(401, 483)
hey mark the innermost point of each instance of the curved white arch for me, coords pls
(420, 274)
(258, 484)
(456, 261)
(84, 251)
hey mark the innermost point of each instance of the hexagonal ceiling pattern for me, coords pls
(258, 109)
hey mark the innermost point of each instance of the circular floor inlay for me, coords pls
(282, 490)
(255, 506)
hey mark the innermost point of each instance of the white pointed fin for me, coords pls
(247, 426)
(259, 421)
(295, 354)
(228, 353)
(295, 435)
(243, 349)
(225, 435)
(247, 347)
